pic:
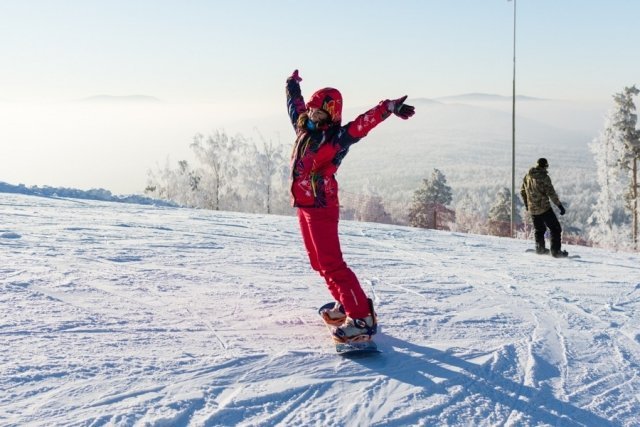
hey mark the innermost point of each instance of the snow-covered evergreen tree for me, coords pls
(429, 200)
(613, 151)
(627, 120)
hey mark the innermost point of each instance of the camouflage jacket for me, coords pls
(536, 191)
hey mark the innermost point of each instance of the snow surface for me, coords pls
(117, 314)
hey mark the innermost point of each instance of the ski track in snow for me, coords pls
(126, 315)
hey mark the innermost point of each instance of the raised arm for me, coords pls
(362, 125)
(295, 101)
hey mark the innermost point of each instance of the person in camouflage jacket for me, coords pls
(537, 193)
(321, 144)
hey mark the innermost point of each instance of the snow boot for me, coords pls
(559, 253)
(334, 316)
(357, 330)
(541, 250)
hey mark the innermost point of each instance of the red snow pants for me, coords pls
(319, 227)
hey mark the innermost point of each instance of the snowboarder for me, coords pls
(321, 144)
(536, 191)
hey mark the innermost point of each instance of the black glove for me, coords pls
(400, 109)
(561, 209)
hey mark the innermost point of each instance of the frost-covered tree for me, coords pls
(180, 185)
(608, 220)
(626, 123)
(367, 206)
(500, 214)
(266, 176)
(372, 210)
(220, 156)
(469, 218)
(429, 200)
(616, 152)
(232, 174)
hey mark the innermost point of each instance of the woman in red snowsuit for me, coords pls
(321, 144)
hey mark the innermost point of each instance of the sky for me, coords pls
(227, 60)
(215, 51)
(117, 314)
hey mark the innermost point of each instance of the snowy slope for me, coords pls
(120, 315)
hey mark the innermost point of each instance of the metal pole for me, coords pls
(513, 130)
(635, 203)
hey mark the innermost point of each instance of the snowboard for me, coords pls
(353, 349)
(549, 254)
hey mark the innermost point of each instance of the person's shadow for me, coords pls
(416, 365)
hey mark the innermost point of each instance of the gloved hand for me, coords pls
(400, 109)
(295, 76)
(562, 211)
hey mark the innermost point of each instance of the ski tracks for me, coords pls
(537, 318)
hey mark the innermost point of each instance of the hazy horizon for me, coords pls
(202, 66)
(119, 142)
(112, 145)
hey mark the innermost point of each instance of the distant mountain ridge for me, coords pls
(486, 97)
(121, 99)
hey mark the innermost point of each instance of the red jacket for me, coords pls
(317, 154)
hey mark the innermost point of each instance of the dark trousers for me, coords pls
(541, 223)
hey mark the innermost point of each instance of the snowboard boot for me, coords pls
(559, 253)
(541, 250)
(334, 316)
(357, 330)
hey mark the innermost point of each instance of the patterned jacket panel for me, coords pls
(317, 154)
(537, 190)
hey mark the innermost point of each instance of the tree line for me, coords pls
(232, 173)
(235, 173)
